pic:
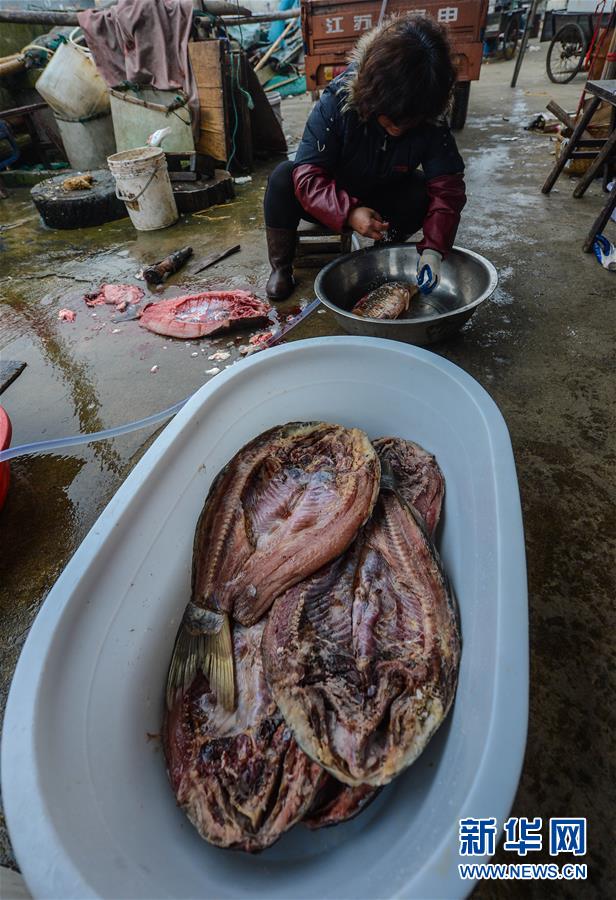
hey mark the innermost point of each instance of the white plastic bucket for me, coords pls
(87, 142)
(71, 84)
(142, 181)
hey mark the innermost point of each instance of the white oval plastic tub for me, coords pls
(89, 808)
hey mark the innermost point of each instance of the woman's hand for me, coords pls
(367, 222)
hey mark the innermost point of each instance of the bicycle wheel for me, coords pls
(566, 53)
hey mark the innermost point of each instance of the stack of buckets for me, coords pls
(78, 95)
(79, 98)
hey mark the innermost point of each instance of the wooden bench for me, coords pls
(315, 241)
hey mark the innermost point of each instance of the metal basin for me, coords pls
(467, 279)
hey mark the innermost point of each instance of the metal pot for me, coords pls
(467, 279)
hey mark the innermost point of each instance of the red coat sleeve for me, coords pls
(446, 200)
(319, 195)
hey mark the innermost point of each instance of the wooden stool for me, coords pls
(315, 241)
(604, 155)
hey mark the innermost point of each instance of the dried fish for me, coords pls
(418, 478)
(286, 504)
(362, 657)
(336, 803)
(419, 481)
(240, 777)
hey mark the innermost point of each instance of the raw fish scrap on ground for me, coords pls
(239, 776)
(260, 338)
(119, 295)
(198, 315)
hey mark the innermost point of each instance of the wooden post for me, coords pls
(529, 20)
(206, 59)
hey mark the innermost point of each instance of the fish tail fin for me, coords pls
(218, 664)
(203, 643)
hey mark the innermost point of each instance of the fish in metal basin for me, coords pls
(240, 777)
(420, 482)
(388, 301)
(362, 658)
(288, 503)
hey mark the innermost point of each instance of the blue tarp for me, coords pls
(276, 28)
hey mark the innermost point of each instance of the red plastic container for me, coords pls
(5, 440)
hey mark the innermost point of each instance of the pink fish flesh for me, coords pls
(198, 315)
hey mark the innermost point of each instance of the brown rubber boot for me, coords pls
(280, 250)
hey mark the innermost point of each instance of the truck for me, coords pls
(331, 27)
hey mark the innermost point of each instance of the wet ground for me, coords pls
(543, 347)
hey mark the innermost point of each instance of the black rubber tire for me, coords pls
(192, 196)
(459, 109)
(78, 209)
(573, 34)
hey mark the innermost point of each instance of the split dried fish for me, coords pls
(418, 478)
(362, 657)
(388, 301)
(419, 481)
(240, 777)
(287, 504)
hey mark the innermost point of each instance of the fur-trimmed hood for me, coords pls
(356, 57)
(348, 80)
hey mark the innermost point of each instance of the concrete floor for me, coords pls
(543, 347)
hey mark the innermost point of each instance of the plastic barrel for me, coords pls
(71, 84)
(142, 181)
(88, 142)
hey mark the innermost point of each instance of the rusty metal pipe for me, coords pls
(44, 17)
(10, 65)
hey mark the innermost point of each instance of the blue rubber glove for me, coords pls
(428, 271)
(605, 252)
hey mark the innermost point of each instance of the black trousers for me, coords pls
(403, 202)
